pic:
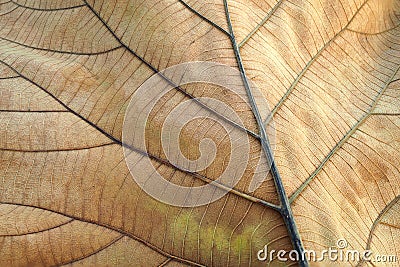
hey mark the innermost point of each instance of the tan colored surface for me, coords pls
(328, 69)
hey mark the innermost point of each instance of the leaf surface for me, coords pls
(68, 70)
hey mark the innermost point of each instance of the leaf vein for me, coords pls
(344, 139)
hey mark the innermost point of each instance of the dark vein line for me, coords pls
(206, 179)
(32, 111)
(395, 80)
(285, 210)
(60, 51)
(9, 77)
(8, 12)
(344, 139)
(64, 105)
(39, 231)
(385, 114)
(307, 67)
(260, 24)
(110, 227)
(197, 101)
(55, 150)
(204, 18)
(377, 221)
(44, 9)
(146, 154)
(390, 225)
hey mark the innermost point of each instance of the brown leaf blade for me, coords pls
(68, 70)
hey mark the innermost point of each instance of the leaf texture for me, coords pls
(330, 71)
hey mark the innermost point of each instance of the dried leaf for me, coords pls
(329, 70)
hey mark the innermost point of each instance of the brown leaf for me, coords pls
(69, 69)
